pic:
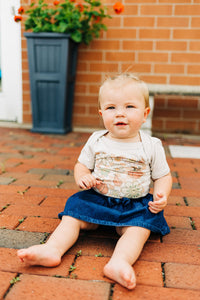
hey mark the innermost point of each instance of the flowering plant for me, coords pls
(83, 21)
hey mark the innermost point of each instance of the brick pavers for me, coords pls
(36, 178)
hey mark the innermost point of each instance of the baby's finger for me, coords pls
(83, 186)
(88, 184)
(154, 210)
(98, 181)
(155, 207)
(153, 204)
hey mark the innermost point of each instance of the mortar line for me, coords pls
(79, 253)
(185, 200)
(163, 273)
(43, 199)
(110, 297)
(192, 223)
(11, 286)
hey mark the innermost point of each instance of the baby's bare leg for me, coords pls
(126, 252)
(63, 238)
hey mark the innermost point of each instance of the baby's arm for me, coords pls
(162, 189)
(83, 177)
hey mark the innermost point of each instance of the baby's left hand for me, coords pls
(158, 204)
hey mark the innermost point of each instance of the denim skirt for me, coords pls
(96, 208)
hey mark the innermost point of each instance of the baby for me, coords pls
(114, 171)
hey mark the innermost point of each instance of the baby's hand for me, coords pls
(158, 204)
(87, 182)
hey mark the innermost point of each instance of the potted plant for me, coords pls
(54, 32)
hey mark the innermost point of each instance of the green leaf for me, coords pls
(14, 280)
(63, 27)
(76, 36)
(66, 17)
(72, 268)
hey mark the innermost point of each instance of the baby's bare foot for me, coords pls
(122, 273)
(40, 255)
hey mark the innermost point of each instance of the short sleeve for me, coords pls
(87, 155)
(159, 165)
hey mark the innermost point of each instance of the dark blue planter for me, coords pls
(52, 61)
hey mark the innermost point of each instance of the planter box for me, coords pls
(52, 61)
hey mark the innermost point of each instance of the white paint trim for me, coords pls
(11, 94)
(184, 151)
(86, 129)
(192, 90)
(5, 124)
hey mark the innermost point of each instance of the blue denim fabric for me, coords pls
(93, 207)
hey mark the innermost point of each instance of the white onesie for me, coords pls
(125, 169)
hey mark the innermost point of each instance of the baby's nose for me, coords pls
(120, 111)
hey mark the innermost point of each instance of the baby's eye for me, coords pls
(110, 107)
(130, 106)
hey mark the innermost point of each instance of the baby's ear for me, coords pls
(146, 113)
(100, 112)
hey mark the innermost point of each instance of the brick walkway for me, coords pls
(36, 177)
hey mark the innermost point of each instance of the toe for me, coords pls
(21, 254)
(131, 285)
(129, 281)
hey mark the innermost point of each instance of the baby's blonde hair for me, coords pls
(128, 76)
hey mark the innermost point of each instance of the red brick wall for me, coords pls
(159, 39)
(176, 114)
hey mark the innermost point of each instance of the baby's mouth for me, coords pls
(120, 124)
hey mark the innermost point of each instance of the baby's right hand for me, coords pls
(87, 182)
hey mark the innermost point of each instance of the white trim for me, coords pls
(5, 124)
(10, 31)
(184, 151)
(193, 90)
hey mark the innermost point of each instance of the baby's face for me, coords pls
(122, 107)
